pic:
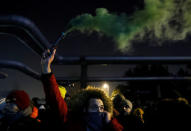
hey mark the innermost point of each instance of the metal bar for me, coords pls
(84, 75)
(23, 37)
(124, 60)
(97, 79)
(25, 30)
(21, 67)
(137, 60)
(67, 60)
(3, 75)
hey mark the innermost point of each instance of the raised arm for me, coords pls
(52, 93)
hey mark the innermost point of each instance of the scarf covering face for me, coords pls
(11, 117)
(11, 114)
(94, 121)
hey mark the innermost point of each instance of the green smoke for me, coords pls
(160, 19)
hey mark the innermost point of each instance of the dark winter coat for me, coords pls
(24, 123)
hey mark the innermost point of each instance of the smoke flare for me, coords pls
(160, 20)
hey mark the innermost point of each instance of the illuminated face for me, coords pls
(95, 105)
(127, 110)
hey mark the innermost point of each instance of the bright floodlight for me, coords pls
(105, 86)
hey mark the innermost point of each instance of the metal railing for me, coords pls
(20, 67)
(26, 31)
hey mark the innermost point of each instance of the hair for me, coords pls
(80, 100)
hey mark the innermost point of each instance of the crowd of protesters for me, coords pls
(88, 110)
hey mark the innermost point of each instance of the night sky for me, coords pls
(52, 18)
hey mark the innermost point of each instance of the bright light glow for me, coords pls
(105, 86)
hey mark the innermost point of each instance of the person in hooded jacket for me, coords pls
(19, 113)
(123, 110)
(92, 112)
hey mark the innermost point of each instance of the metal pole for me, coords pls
(94, 60)
(121, 79)
(21, 67)
(83, 78)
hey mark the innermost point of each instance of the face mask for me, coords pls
(11, 117)
(94, 121)
(11, 113)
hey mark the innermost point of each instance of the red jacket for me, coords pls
(57, 103)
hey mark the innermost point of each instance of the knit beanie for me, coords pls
(20, 97)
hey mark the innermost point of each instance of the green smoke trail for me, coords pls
(160, 19)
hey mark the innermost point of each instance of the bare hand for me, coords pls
(46, 61)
